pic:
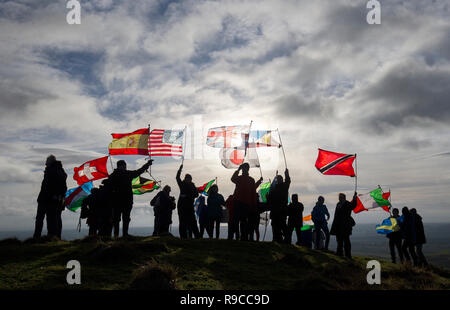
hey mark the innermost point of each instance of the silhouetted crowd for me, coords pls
(112, 202)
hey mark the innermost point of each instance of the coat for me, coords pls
(417, 230)
(53, 187)
(188, 193)
(277, 199)
(245, 190)
(163, 205)
(120, 185)
(295, 214)
(215, 203)
(343, 221)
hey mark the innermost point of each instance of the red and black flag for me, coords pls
(331, 163)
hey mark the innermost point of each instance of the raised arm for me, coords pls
(178, 175)
(235, 176)
(354, 201)
(287, 178)
(259, 182)
(141, 170)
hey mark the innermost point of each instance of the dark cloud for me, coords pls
(407, 94)
(85, 66)
(414, 143)
(297, 106)
(16, 96)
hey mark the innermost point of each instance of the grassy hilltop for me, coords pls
(168, 262)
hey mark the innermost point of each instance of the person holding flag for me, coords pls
(122, 194)
(244, 197)
(343, 224)
(278, 200)
(186, 213)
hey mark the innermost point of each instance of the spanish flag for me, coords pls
(134, 143)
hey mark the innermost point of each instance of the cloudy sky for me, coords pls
(314, 69)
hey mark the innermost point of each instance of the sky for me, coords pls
(316, 70)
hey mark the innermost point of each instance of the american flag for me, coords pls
(163, 142)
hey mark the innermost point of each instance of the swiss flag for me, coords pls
(91, 170)
(331, 163)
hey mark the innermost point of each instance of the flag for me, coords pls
(162, 142)
(372, 200)
(307, 223)
(263, 191)
(134, 143)
(205, 187)
(75, 196)
(388, 226)
(142, 185)
(228, 136)
(262, 138)
(234, 157)
(91, 170)
(330, 163)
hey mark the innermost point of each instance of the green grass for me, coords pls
(168, 262)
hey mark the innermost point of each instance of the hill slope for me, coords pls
(168, 262)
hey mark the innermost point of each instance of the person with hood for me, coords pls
(51, 198)
(343, 224)
(295, 219)
(163, 205)
(277, 198)
(186, 213)
(406, 227)
(244, 197)
(122, 194)
(215, 202)
(418, 237)
(395, 239)
(320, 217)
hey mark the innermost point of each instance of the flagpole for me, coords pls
(184, 144)
(356, 175)
(110, 160)
(282, 148)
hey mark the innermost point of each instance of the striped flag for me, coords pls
(331, 163)
(163, 142)
(75, 196)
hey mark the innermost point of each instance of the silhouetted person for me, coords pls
(215, 203)
(320, 217)
(343, 224)
(253, 220)
(186, 213)
(122, 194)
(51, 198)
(163, 205)
(295, 219)
(277, 198)
(244, 197)
(418, 237)
(395, 239)
(233, 221)
(202, 212)
(406, 230)
(91, 207)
